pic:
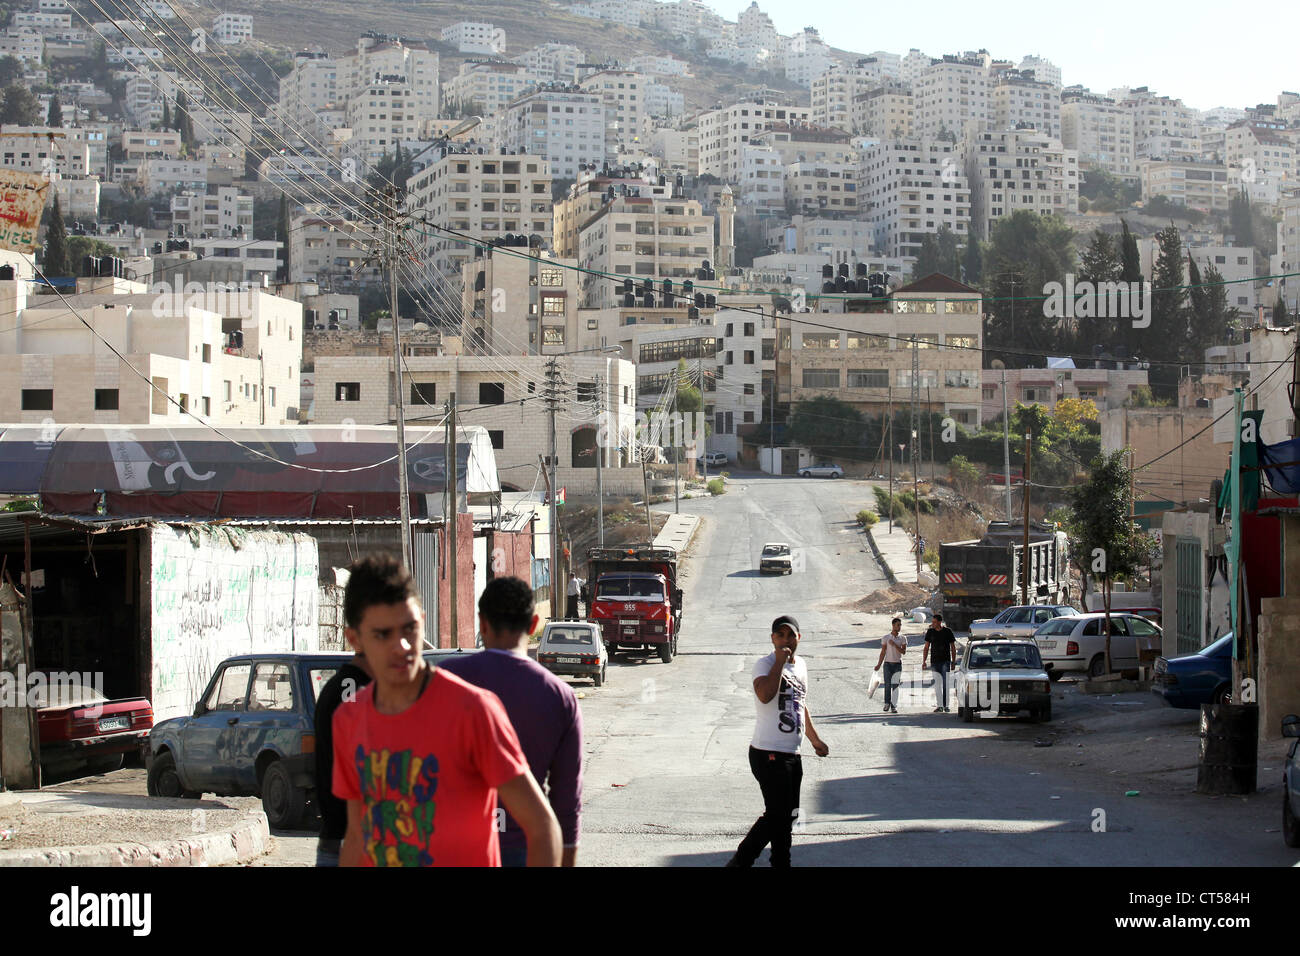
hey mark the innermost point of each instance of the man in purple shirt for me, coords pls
(542, 708)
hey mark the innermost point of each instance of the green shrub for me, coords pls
(717, 486)
(867, 518)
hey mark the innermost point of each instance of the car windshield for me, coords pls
(1220, 648)
(1058, 625)
(999, 656)
(776, 549)
(568, 635)
(62, 690)
(630, 589)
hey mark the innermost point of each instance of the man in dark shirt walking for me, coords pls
(941, 649)
(542, 709)
(343, 686)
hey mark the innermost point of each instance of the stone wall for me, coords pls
(1279, 664)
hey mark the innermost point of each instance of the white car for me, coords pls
(1077, 644)
(714, 459)
(775, 557)
(1003, 677)
(1021, 620)
(574, 648)
(821, 471)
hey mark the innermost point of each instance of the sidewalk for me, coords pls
(83, 828)
(677, 532)
(894, 551)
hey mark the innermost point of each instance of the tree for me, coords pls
(167, 115)
(54, 117)
(1130, 259)
(19, 106)
(938, 253)
(81, 246)
(1167, 334)
(1074, 412)
(1104, 539)
(1025, 251)
(1241, 219)
(688, 400)
(181, 120)
(829, 427)
(1281, 320)
(1098, 263)
(1209, 315)
(972, 262)
(55, 262)
(11, 70)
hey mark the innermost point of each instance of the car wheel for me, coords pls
(1290, 825)
(598, 678)
(1044, 714)
(283, 802)
(666, 653)
(164, 781)
(1097, 666)
(835, 474)
(1222, 694)
(804, 474)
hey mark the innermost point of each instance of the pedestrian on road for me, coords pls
(892, 648)
(941, 649)
(781, 693)
(420, 755)
(576, 585)
(542, 708)
(342, 687)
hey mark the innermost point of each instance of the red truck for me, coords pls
(635, 598)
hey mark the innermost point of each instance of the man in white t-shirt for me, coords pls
(892, 649)
(781, 692)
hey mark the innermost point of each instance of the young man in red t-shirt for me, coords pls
(420, 755)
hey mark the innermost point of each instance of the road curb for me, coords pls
(880, 558)
(245, 841)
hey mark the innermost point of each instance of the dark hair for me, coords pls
(507, 604)
(378, 579)
(938, 617)
(897, 620)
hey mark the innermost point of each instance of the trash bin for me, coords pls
(1229, 749)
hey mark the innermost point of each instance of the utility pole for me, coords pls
(916, 452)
(1006, 444)
(703, 450)
(645, 486)
(601, 385)
(552, 402)
(929, 415)
(403, 482)
(451, 515)
(677, 452)
(889, 446)
(1024, 558)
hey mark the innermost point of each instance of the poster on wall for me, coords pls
(22, 199)
(220, 592)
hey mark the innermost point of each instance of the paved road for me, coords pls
(667, 779)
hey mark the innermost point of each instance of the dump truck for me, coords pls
(635, 598)
(979, 578)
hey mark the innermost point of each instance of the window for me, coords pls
(821, 378)
(1038, 394)
(207, 354)
(964, 306)
(347, 392)
(424, 393)
(923, 341)
(961, 378)
(230, 689)
(498, 437)
(868, 378)
(553, 335)
(749, 418)
(551, 277)
(749, 328)
(159, 402)
(207, 403)
(821, 340)
(491, 393)
(749, 356)
(749, 388)
(38, 399)
(106, 400)
(271, 395)
(272, 688)
(960, 341)
(927, 379)
(867, 341)
(552, 305)
(914, 306)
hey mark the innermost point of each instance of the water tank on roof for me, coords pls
(861, 269)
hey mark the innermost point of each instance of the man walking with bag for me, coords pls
(780, 691)
(892, 649)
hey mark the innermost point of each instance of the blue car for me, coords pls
(1195, 679)
(1291, 783)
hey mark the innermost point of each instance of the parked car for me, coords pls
(1077, 644)
(1152, 614)
(1291, 783)
(1195, 679)
(821, 471)
(775, 557)
(1020, 620)
(1000, 477)
(1003, 676)
(714, 459)
(80, 728)
(574, 648)
(252, 733)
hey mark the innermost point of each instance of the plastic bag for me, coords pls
(874, 684)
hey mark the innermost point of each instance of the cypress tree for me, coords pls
(55, 262)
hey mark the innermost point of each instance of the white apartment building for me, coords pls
(232, 29)
(46, 23)
(802, 143)
(295, 168)
(622, 92)
(518, 301)
(483, 88)
(1259, 150)
(145, 91)
(911, 189)
(1163, 128)
(1019, 98)
(1043, 69)
(678, 149)
(835, 91)
(25, 45)
(331, 250)
(762, 181)
(808, 271)
(261, 259)
(659, 65)
(591, 192)
(484, 195)
(884, 112)
(381, 115)
(629, 13)
(911, 66)
(1221, 117)
(951, 97)
(1100, 131)
(483, 38)
(78, 198)
(754, 28)
(390, 56)
(724, 132)
(1201, 186)
(805, 57)
(159, 9)
(1236, 264)
(646, 239)
(1287, 257)
(221, 212)
(33, 150)
(316, 83)
(822, 189)
(159, 176)
(663, 102)
(553, 62)
(830, 240)
(563, 125)
(1009, 170)
(686, 19)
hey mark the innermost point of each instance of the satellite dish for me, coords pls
(997, 364)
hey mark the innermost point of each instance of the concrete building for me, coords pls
(1192, 461)
(1260, 150)
(262, 260)
(381, 114)
(41, 152)
(233, 29)
(951, 97)
(805, 143)
(483, 88)
(162, 176)
(1105, 388)
(592, 190)
(1265, 348)
(911, 189)
(724, 132)
(481, 194)
(825, 189)
(622, 93)
(1236, 264)
(1042, 69)
(659, 65)
(884, 112)
(468, 37)
(791, 270)
(1100, 131)
(1163, 128)
(519, 302)
(662, 102)
(762, 181)
(871, 361)
(330, 249)
(805, 56)
(220, 212)
(556, 62)
(1201, 186)
(25, 45)
(835, 91)
(678, 149)
(1011, 170)
(78, 198)
(1022, 98)
(564, 125)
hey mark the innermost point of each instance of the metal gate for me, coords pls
(424, 555)
(1188, 624)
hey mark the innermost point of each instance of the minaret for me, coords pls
(726, 257)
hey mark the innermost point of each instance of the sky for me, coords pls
(1206, 54)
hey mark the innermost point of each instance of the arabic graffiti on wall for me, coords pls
(221, 592)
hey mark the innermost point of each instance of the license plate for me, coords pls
(568, 660)
(1009, 698)
(629, 630)
(1046, 645)
(114, 723)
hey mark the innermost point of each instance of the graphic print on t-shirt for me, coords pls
(789, 704)
(397, 790)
